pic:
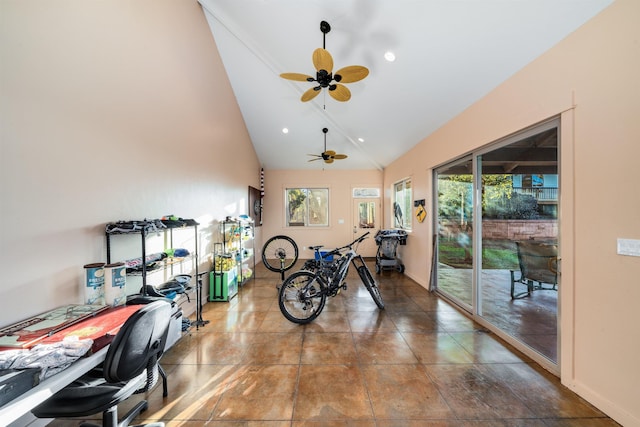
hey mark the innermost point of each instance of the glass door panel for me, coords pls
(455, 232)
(366, 219)
(518, 280)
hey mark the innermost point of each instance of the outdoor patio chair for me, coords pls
(538, 267)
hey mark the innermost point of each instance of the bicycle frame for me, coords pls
(331, 274)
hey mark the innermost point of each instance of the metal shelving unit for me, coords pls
(238, 241)
(144, 228)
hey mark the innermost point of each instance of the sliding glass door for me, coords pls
(510, 191)
(455, 231)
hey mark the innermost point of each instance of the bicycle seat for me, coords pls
(315, 248)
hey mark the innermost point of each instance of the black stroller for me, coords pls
(386, 257)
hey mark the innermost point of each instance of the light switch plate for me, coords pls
(629, 247)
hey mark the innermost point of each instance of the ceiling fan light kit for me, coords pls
(325, 78)
(328, 156)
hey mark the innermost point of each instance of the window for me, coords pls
(366, 193)
(367, 215)
(531, 181)
(307, 207)
(402, 204)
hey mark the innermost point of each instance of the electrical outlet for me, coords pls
(629, 247)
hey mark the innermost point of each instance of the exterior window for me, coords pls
(402, 204)
(364, 193)
(307, 207)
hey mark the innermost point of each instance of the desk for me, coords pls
(48, 387)
(106, 323)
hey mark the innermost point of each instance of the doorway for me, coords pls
(491, 204)
(366, 219)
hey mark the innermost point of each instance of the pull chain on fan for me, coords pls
(325, 78)
(327, 155)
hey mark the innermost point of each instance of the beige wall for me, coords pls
(591, 80)
(111, 110)
(340, 184)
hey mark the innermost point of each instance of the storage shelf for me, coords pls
(237, 238)
(150, 227)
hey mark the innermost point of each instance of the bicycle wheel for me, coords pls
(301, 298)
(279, 253)
(371, 285)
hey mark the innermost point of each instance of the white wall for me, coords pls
(591, 80)
(111, 110)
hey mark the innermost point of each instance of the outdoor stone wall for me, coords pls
(514, 229)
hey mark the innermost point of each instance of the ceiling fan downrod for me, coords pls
(323, 77)
(325, 28)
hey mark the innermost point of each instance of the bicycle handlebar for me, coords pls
(358, 240)
(336, 251)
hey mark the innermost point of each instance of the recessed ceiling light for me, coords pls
(285, 130)
(361, 139)
(389, 56)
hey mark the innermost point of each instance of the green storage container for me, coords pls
(223, 285)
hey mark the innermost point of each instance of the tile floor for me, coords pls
(419, 362)
(536, 314)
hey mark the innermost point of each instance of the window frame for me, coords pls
(306, 220)
(407, 213)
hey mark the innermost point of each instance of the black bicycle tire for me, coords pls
(266, 252)
(284, 303)
(370, 284)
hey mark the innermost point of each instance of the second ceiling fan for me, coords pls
(325, 78)
(327, 155)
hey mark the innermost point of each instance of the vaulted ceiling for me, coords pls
(449, 54)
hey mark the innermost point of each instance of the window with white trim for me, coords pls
(307, 207)
(402, 204)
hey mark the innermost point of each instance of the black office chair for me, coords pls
(131, 366)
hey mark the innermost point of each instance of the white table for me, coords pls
(22, 405)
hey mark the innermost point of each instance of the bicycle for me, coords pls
(302, 296)
(279, 254)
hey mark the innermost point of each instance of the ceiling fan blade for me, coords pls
(352, 73)
(340, 93)
(297, 77)
(309, 94)
(329, 160)
(315, 155)
(329, 153)
(313, 160)
(339, 156)
(322, 60)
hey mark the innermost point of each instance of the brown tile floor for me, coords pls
(536, 315)
(419, 362)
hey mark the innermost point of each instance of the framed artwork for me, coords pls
(255, 206)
